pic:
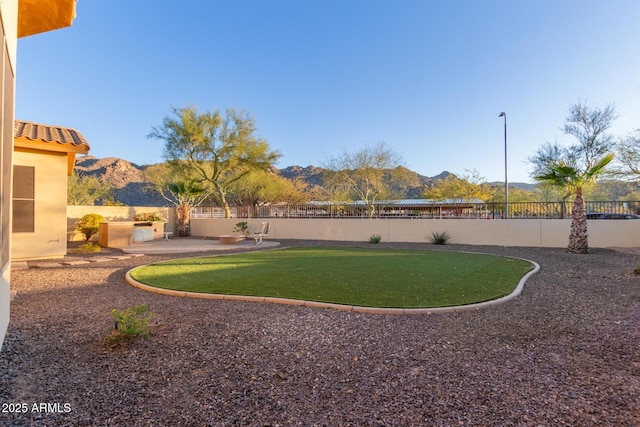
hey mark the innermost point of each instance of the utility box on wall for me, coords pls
(142, 232)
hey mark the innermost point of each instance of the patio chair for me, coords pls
(258, 235)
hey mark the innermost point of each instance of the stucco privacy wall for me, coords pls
(525, 232)
(115, 213)
(48, 239)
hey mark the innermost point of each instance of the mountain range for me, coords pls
(127, 181)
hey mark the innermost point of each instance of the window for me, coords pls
(23, 199)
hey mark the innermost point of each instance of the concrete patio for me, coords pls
(179, 245)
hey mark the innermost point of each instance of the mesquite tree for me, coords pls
(366, 175)
(218, 149)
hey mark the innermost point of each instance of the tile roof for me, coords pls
(46, 133)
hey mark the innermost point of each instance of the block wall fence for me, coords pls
(553, 233)
(513, 232)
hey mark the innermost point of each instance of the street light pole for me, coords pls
(506, 182)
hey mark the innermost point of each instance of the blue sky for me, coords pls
(427, 77)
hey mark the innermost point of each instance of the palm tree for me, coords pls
(184, 195)
(565, 174)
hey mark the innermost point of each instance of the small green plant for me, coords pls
(88, 225)
(87, 248)
(376, 238)
(440, 238)
(242, 227)
(148, 217)
(129, 324)
(637, 269)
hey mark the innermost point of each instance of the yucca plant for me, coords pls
(440, 238)
(376, 238)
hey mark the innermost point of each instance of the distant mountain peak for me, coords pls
(127, 179)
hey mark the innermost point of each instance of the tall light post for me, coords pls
(506, 182)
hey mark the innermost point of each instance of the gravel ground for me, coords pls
(566, 352)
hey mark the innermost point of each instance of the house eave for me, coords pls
(40, 16)
(48, 147)
(55, 146)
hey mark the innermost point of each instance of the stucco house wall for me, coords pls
(9, 36)
(44, 157)
(17, 19)
(48, 239)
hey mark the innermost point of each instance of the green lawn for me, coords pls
(351, 276)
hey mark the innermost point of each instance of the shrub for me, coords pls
(440, 238)
(88, 225)
(87, 248)
(129, 324)
(376, 238)
(241, 227)
(637, 269)
(148, 217)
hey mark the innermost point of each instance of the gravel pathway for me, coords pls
(566, 352)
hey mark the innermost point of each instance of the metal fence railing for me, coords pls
(517, 210)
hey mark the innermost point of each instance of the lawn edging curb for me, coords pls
(358, 309)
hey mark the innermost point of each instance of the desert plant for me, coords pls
(376, 238)
(440, 237)
(242, 227)
(637, 269)
(87, 190)
(88, 225)
(129, 324)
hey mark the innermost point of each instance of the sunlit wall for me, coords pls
(8, 30)
(49, 236)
